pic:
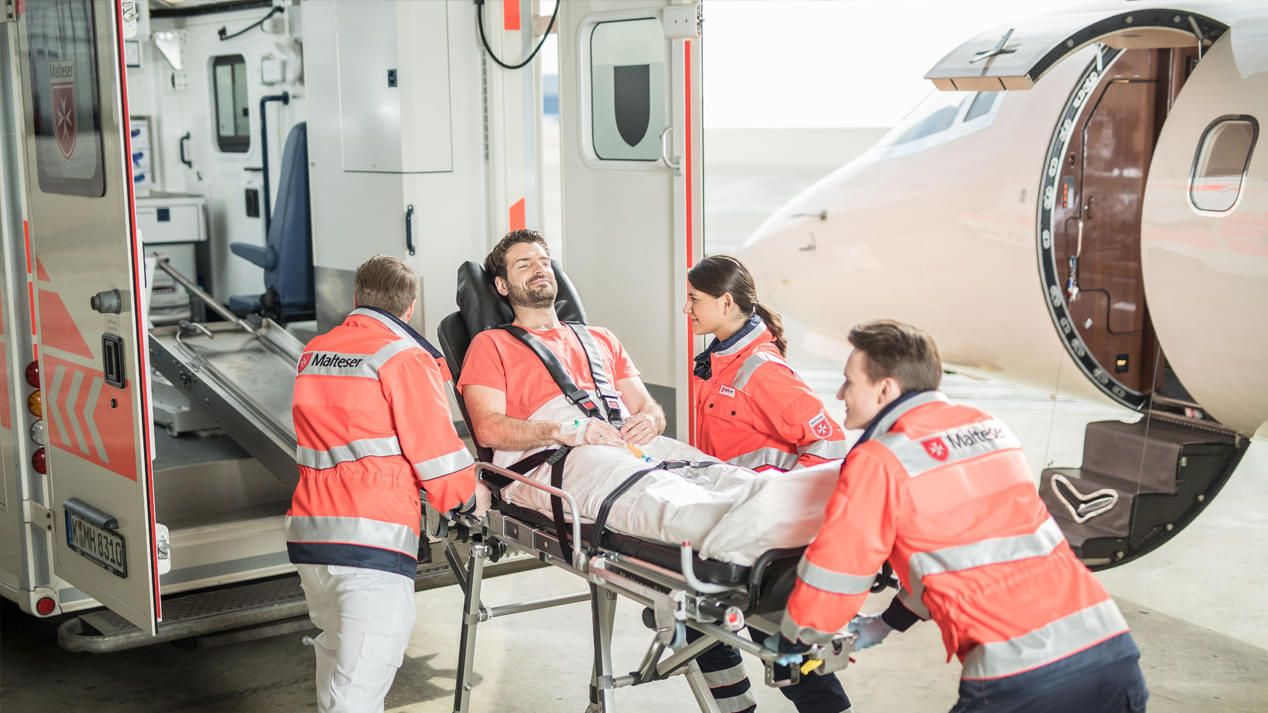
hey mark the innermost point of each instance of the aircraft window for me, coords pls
(982, 105)
(66, 107)
(233, 116)
(937, 113)
(1219, 169)
(628, 96)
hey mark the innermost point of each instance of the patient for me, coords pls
(517, 408)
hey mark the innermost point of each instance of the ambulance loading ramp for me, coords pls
(242, 372)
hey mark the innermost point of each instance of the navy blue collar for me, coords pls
(398, 326)
(704, 365)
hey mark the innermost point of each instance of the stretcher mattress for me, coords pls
(729, 514)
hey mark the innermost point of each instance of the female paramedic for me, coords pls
(753, 410)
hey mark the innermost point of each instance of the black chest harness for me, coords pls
(606, 407)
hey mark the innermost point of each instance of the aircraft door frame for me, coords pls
(86, 282)
(632, 180)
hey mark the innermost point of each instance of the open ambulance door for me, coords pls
(631, 168)
(86, 283)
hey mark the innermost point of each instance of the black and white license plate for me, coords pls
(97, 544)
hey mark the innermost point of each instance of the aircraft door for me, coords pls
(86, 282)
(1204, 247)
(630, 108)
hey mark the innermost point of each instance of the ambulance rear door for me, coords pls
(86, 284)
(631, 166)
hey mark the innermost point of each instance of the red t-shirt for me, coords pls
(498, 360)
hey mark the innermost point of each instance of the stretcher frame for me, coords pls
(673, 601)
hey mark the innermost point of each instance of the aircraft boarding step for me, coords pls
(242, 372)
(1139, 484)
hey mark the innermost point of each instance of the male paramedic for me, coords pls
(505, 386)
(373, 425)
(942, 491)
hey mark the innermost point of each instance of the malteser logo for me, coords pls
(332, 361)
(974, 436)
(936, 448)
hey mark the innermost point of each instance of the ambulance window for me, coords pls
(233, 116)
(627, 89)
(982, 104)
(65, 105)
(1219, 168)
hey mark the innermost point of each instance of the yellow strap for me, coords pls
(810, 665)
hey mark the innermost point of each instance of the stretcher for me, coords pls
(677, 588)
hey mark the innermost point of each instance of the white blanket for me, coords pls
(726, 512)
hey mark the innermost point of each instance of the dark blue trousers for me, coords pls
(1103, 679)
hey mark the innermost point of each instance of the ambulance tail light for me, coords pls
(39, 461)
(44, 606)
(33, 374)
(35, 404)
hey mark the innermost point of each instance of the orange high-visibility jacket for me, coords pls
(754, 411)
(373, 425)
(944, 493)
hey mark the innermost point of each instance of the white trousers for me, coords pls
(366, 617)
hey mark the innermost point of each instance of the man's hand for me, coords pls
(588, 432)
(483, 498)
(640, 429)
(786, 657)
(871, 630)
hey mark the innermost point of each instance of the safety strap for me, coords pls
(555, 458)
(575, 395)
(609, 399)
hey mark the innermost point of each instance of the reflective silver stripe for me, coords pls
(735, 704)
(765, 456)
(352, 531)
(995, 550)
(886, 423)
(949, 447)
(385, 353)
(356, 450)
(791, 630)
(827, 580)
(381, 319)
(746, 340)
(750, 365)
(827, 450)
(726, 677)
(914, 602)
(1051, 642)
(444, 465)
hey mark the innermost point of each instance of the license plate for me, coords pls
(103, 547)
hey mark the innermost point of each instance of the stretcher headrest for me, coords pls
(482, 307)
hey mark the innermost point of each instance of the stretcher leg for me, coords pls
(602, 685)
(470, 620)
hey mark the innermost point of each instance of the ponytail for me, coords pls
(774, 324)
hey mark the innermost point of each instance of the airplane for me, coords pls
(1080, 208)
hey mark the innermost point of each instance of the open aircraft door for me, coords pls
(631, 165)
(86, 282)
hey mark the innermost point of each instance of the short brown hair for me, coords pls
(495, 263)
(899, 351)
(386, 282)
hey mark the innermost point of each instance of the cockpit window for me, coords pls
(937, 113)
(1219, 169)
(982, 104)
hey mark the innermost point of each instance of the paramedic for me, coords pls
(503, 389)
(752, 410)
(942, 491)
(373, 425)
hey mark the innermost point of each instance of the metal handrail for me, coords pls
(578, 558)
